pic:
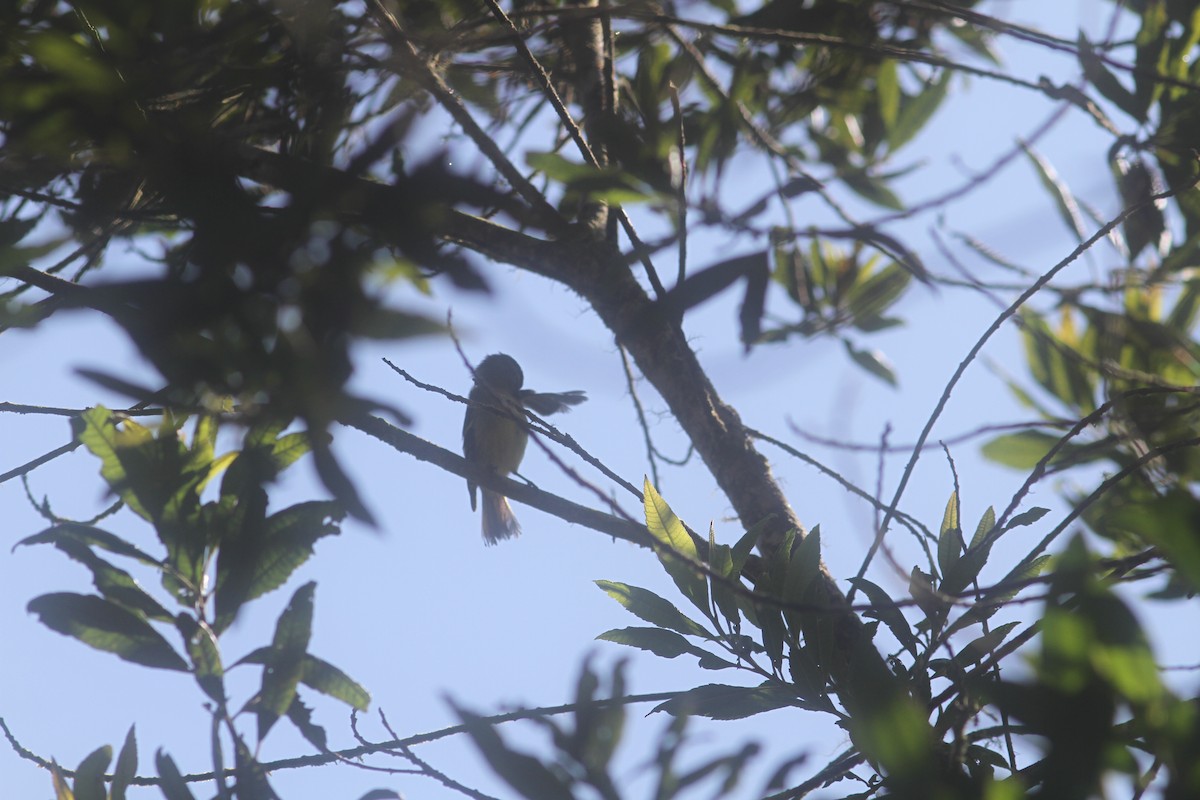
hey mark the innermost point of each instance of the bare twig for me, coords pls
(996, 324)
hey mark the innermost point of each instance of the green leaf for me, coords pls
(745, 545)
(920, 589)
(874, 362)
(99, 434)
(146, 471)
(871, 188)
(808, 678)
(677, 548)
(89, 775)
(115, 584)
(1027, 518)
(126, 767)
(965, 569)
(300, 715)
(774, 634)
(1105, 82)
(1056, 363)
(1059, 192)
(803, 567)
(289, 538)
(319, 674)
(389, 323)
(986, 523)
(286, 660)
(983, 645)
(663, 643)
(887, 92)
(1152, 49)
(897, 736)
(290, 448)
(600, 184)
(653, 609)
(713, 662)
(173, 786)
(62, 790)
(76, 63)
(329, 680)
(949, 535)
(524, 773)
(874, 294)
(106, 626)
(92, 537)
(720, 561)
(1023, 450)
(977, 614)
(1011, 788)
(718, 701)
(261, 561)
(1137, 184)
(885, 611)
(1170, 523)
(201, 644)
(597, 729)
(917, 110)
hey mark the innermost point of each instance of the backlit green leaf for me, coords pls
(676, 548)
(652, 608)
(106, 626)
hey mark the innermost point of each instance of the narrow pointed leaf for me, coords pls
(106, 626)
(885, 611)
(1059, 192)
(300, 715)
(1027, 517)
(980, 647)
(718, 701)
(126, 767)
(678, 546)
(663, 643)
(173, 786)
(89, 775)
(286, 662)
(92, 537)
(652, 608)
(289, 536)
(114, 584)
(916, 111)
(329, 680)
(949, 536)
(205, 655)
(986, 523)
(524, 773)
(874, 362)
(265, 555)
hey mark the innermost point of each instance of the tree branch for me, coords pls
(441, 458)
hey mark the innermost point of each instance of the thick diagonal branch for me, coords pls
(656, 340)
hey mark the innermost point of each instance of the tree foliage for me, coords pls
(267, 162)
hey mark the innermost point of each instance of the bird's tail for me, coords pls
(498, 519)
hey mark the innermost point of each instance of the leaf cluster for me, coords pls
(219, 554)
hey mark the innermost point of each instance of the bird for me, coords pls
(495, 433)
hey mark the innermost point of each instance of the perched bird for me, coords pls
(495, 432)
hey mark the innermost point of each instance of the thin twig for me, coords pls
(641, 416)
(536, 425)
(996, 324)
(576, 135)
(30, 466)
(436, 86)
